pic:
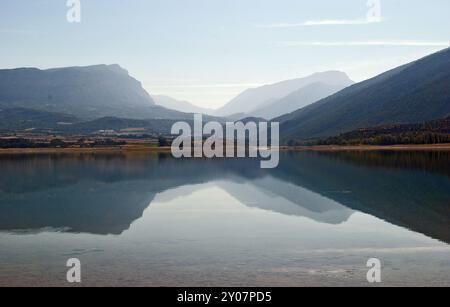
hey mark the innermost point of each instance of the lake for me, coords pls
(151, 220)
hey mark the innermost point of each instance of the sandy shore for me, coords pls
(144, 149)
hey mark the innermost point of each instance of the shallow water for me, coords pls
(153, 220)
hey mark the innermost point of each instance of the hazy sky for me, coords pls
(207, 51)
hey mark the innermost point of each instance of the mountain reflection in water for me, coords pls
(105, 194)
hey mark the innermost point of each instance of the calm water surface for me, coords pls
(152, 220)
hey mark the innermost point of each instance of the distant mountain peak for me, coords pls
(299, 99)
(255, 98)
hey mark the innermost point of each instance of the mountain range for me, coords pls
(413, 93)
(264, 100)
(85, 92)
(323, 105)
(299, 99)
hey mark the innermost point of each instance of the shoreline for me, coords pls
(144, 149)
(98, 150)
(412, 147)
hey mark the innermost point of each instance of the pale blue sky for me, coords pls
(207, 51)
